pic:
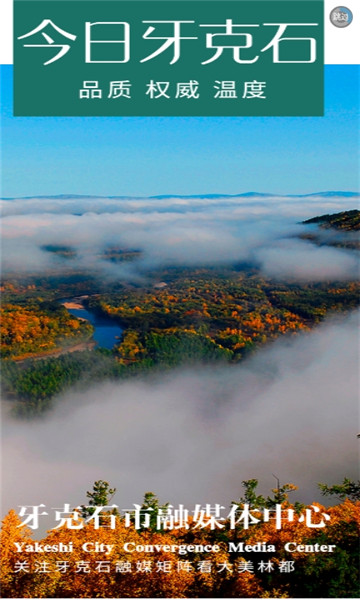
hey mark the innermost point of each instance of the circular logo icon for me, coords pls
(341, 16)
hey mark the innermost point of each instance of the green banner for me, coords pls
(168, 58)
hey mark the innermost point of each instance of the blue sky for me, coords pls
(149, 156)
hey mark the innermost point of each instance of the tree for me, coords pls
(152, 505)
(250, 496)
(13, 584)
(101, 495)
(281, 494)
(346, 489)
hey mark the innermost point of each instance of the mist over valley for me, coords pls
(235, 355)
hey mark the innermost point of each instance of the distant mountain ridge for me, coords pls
(328, 194)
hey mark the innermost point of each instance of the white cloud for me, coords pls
(184, 231)
(193, 436)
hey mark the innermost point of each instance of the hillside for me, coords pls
(348, 220)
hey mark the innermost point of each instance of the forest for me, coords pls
(281, 567)
(175, 316)
(37, 328)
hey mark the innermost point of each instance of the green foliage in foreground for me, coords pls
(315, 575)
(346, 489)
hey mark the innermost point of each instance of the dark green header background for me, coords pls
(53, 90)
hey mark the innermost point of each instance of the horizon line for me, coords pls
(198, 196)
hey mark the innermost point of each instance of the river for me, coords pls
(107, 332)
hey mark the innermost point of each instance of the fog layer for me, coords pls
(177, 231)
(193, 436)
